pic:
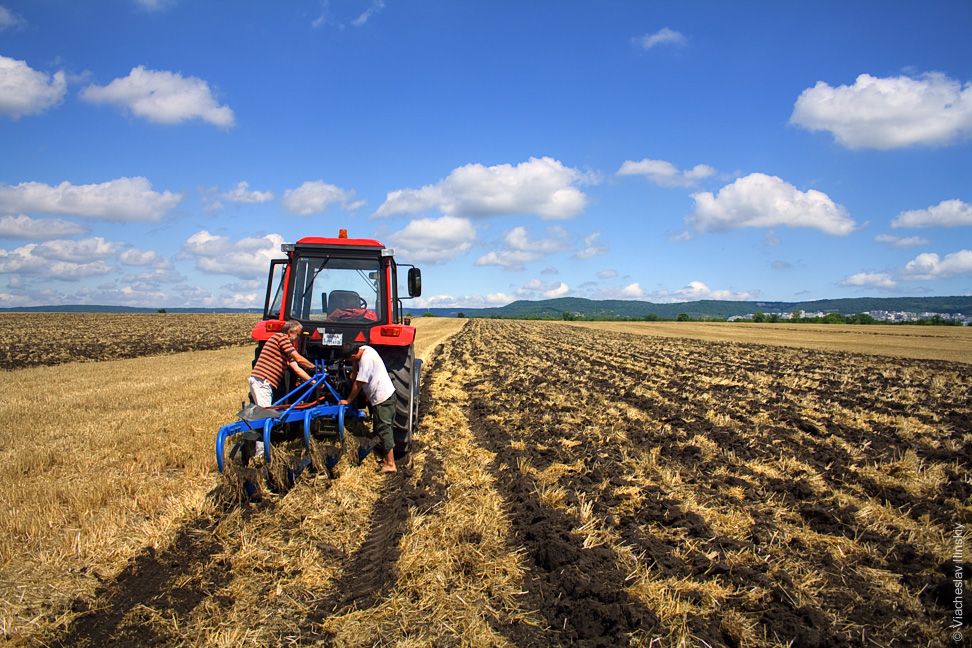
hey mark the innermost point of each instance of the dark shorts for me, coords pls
(383, 422)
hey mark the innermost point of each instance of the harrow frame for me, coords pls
(281, 415)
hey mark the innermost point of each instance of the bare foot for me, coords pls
(388, 463)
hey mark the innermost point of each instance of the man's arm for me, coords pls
(290, 351)
(355, 388)
(297, 370)
(301, 360)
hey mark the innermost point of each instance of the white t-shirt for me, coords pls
(371, 371)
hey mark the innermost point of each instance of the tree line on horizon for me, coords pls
(759, 317)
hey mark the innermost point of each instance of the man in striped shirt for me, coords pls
(276, 356)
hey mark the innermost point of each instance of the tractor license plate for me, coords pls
(332, 339)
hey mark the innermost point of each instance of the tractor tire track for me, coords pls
(370, 573)
(150, 580)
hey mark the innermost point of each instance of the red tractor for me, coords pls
(344, 291)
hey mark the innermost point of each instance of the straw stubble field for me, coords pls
(569, 485)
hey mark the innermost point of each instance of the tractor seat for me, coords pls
(343, 300)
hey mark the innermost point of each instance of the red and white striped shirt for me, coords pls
(276, 355)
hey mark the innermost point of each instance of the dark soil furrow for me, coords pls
(547, 411)
(150, 580)
(579, 592)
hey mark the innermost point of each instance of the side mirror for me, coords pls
(414, 282)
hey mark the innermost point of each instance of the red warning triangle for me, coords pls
(360, 337)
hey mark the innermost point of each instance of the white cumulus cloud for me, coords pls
(559, 290)
(632, 291)
(518, 239)
(901, 241)
(948, 213)
(541, 186)
(241, 193)
(131, 293)
(929, 265)
(521, 249)
(160, 271)
(464, 301)
(25, 91)
(154, 5)
(315, 196)
(242, 300)
(37, 229)
(591, 247)
(870, 280)
(696, 290)
(511, 259)
(136, 257)
(434, 240)
(438, 301)
(760, 200)
(123, 199)
(664, 36)
(607, 274)
(244, 285)
(9, 19)
(162, 97)
(887, 113)
(666, 174)
(196, 296)
(246, 258)
(82, 251)
(365, 16)
(498, 299)
(26, 260)
(536, 289)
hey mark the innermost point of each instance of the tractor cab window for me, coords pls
(336, 290)
(271, 307)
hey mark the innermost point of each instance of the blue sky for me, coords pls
(155, 153)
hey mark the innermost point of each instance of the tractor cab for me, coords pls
(342, 290)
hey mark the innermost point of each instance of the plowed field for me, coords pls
(34, 339)
(597, 488)
(950, 343)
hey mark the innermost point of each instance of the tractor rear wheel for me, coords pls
(401, 370)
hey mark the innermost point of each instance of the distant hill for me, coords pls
(613, 308)
(618, 308)
(83, 308)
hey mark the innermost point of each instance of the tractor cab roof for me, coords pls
(318, 241)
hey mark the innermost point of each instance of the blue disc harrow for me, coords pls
(310, 408)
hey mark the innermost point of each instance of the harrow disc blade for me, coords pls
(324, 455)
(253, 412)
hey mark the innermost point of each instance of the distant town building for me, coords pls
(894, 317)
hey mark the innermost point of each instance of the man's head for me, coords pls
(293, 329)
(352, 351)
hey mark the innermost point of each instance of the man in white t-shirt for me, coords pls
(370, 376)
